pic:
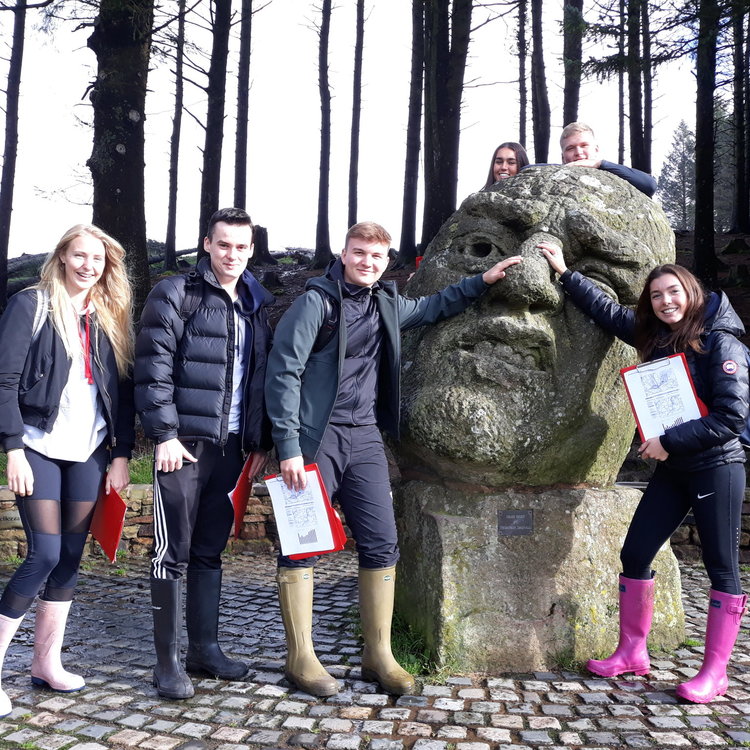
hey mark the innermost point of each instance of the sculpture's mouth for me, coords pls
(513, 342)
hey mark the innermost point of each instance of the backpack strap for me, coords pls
(330, 320)
(193, 295)
(40, 313)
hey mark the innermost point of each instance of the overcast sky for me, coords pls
(52, 184)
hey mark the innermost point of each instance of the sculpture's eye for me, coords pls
(603, 283)
(480, 249)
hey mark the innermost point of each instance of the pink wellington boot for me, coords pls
(46, 667)
(636, 609)
(724, 615)
(8, 627)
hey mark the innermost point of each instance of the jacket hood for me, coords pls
(721, 316)
(251, 294)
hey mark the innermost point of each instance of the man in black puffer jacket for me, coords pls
(199, 392)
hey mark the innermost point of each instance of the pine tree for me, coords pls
(677, 179)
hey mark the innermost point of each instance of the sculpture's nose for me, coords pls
(529, 285)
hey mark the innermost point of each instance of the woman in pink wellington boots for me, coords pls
(66, 412)
(701, 461)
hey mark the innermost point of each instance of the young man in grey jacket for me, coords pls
(332, 385)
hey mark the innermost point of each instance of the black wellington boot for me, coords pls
(170, 679)
(202, 615)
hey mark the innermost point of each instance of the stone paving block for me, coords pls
(738, 738)
(506, 722)
(88, 746)
(450, 732)
(706, 739)
(625, 710)
(485, 707)
(442, 691)
(291, 707)
(57, 703)
(606, 739)
(335, 725)
(472, 746)
(44, 719)
(70, 725)
(637, 740)
(265, 721)
(298, 722)
(459, 681)
(134, 721)
(449, 704)
(543, 722)
(595, 698)
(265, 737)
(381, 744)
(23, 735)
(623, 725)
(225, 746)
(394, 714)
(472, 693)
(414, 729)
(193, 729)
(96, 731)
(570, 738)
(672, 739)
(431, 716)
(534, 737)
(493, 734)
(54, 742)
(161, 742)
(230, 734)
(372, 700)
(128, 737)
(506, 696)
(355, 712)
(552, 709)
(322, 710)
(305, 739)
(377, 727)
(469, 718)
(412, 700)
(344, 742)
(500, 682)
(429, 745)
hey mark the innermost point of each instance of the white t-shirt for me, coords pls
(238, 371)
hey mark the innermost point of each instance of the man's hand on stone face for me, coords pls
(593, 163)
(498, 270)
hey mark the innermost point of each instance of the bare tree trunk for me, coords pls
(621, 85)
(356, 112)
(261, 254)
(523, 53)
(323, 252)
(447, 32)
(635, 89)
(243, 106)
(746, 87)
(407, 246)
(216, 94)
(704, 256)
(121, 41)
(540, 109)
(741, 209)
(573, 28)
(10, 150)
(648, 96)
(170, 244)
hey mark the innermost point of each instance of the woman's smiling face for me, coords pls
(668, 299)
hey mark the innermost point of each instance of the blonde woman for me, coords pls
(66, 414)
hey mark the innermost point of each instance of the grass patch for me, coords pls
(688, 642)
(287, 261)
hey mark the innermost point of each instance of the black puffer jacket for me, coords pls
(700, 443)
(33, 375)
(183, 369)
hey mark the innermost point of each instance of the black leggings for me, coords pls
(56, 519)
(715, 496)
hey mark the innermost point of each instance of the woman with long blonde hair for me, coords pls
(66, 414)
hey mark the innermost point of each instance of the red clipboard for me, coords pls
(338, 534)
(702, 408)
(240, 496)
(108, 521)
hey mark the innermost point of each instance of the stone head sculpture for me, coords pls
(523, 388)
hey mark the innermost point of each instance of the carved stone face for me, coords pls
(523, 388)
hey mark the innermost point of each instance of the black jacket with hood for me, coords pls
(183, 368)
(711, 440)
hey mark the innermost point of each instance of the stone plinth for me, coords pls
(508, 580)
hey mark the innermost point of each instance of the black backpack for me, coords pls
(330, 320)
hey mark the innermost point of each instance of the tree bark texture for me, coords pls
(323, 252)
(523, 54)
(216, 94)
(621, 84)
(121, 41)
(704, 255)
(356, 112)
(10, 148)
(648, 84)
(573, 28)
(243, 106)
(447, 31)
(635, 88)
(741, 208)
(170, 243)
(261, 254)
(407, 251)
(540, 109)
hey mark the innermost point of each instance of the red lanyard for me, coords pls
(85, 336)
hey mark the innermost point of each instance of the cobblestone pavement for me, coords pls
(109, 641)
